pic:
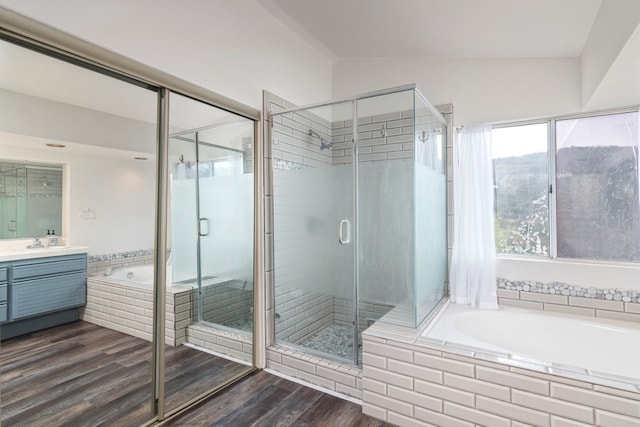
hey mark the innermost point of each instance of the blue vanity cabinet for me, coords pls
(47, 285)
(41, 292)
(4, 292)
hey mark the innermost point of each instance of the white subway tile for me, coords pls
(371, 157)
(569, 309)
(388, 351)
(414, 398)
(510, 379)
(596, 399)
(386, 117)
(597, 303)
(512, 411)
(617, 315)
(617, 392)
(608, 419)
(553, 406)
(388, 377)
(475, 416)
(349, 391)
(632, 307)
(507, 293)
(412, 370)
(374, 411)
(374, 360)
(478, 387)
(404, 421)
(298, 364)
(283, 369)
(374, 386)
(554, 378)
(444, 393)
(550, 298)
(438, 419)
(563, 422)
(334, 375)
(440, 363)
(317, 380)
(520, 303)
(387, 403)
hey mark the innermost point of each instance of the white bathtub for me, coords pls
(142, 276)
(601, 346)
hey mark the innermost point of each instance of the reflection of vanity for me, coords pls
(40, 288)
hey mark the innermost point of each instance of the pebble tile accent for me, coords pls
(119, 255)
(558, 288)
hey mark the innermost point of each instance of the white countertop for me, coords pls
(24, 253)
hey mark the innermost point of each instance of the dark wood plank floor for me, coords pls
(83, 375)
(262, 399)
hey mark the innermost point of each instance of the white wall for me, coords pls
(235, 48)
(617, 20)
(481, 90)
(117, 188)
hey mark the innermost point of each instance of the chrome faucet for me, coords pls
(37, 243)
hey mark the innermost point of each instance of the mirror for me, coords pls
(30, 199)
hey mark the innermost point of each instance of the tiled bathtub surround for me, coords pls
(412, 381)
(561, 297)
(128, 309)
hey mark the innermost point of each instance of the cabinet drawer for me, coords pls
(3, 293)
(3, 274)
(3, 313)
(49, 267)
(46, 294)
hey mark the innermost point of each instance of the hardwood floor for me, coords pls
(83, 375)
(262, 399)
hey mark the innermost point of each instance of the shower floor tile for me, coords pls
(334, 339)
(244, 323)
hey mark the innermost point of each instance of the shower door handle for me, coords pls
(344, 229)
(203, 227)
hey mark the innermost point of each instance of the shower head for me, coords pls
(324, 144)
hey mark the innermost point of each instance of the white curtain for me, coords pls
(473, 263)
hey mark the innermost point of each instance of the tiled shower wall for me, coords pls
(305, 312)
(382, 137)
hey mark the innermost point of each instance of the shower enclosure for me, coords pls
(359, 218)
(212, 214)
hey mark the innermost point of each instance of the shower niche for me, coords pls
(357, 231)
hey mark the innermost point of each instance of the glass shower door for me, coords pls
(314, 230)
(225, 226)
(210, 269)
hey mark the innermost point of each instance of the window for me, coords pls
(597, 201)
(521, 178)
(598, 208)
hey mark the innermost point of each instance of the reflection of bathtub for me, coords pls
(123, 301)
(141, 275)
